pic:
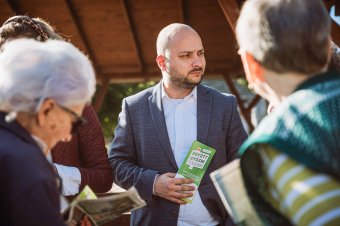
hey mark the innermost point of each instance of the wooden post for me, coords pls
(101, 94)
(244, 111)
(231, 11)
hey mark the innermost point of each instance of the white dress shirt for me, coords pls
(181, 122)
(63, 202)
(70, 176)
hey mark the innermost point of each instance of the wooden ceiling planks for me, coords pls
(231, 10)
(120, 35)
(56, 12)
(83, 36)
(218, 39)
(149, 17)
(6, 11)
(107, 26)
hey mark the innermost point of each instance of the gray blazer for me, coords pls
(141, 149)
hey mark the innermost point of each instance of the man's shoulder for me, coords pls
(142, 95)
(217, 94)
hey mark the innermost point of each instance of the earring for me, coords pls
(11, 116)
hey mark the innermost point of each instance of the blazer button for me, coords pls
(174, 213)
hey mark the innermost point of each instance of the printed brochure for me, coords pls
(101, 210)
(195, 164)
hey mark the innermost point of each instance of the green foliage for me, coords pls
(112, 104)
(242, 81)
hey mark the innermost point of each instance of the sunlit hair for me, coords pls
(286, 35)
(33, 71)
(27, 27)
(334, 65)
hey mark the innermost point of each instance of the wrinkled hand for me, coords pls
(173, 189)
(85, 222)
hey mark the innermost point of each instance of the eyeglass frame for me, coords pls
(80, 120)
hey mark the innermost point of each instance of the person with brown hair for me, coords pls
(83, 160)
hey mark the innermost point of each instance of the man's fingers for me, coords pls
(172, 175)
(180, 194)
(185, 188)
(178, 201)
(183, 181)
(174, 189)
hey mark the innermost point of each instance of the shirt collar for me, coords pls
(40, 143)
(192, 94)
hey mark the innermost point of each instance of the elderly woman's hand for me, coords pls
(83, 222)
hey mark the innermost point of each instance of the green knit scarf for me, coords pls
(306, 126)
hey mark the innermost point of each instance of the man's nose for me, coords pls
(197, 61)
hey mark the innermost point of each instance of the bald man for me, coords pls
(157, 127)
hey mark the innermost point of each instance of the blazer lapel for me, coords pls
(204, 106)
(157, 115)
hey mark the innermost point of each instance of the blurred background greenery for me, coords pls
(112, 104)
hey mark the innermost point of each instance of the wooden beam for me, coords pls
(253, 102)
(83, 36)
(101, 94)
(7, 11)
(133, 33)
(15, 7)
(231, 11)
(183, 13)
(244, 111)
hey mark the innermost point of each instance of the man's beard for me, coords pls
(182, 81)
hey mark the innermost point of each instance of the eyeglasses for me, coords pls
(77, 123)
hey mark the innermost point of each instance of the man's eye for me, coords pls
(185, 56)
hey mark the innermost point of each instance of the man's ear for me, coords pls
(44, 110)
(255, 69)
(160, 59)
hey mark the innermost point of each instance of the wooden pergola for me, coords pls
(119, 35)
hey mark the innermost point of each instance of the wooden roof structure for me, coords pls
(120, 35)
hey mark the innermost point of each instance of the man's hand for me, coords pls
(173, 189)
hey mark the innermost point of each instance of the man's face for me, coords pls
(185, 61)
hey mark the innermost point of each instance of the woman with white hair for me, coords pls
(43, 90)
(83, 160)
